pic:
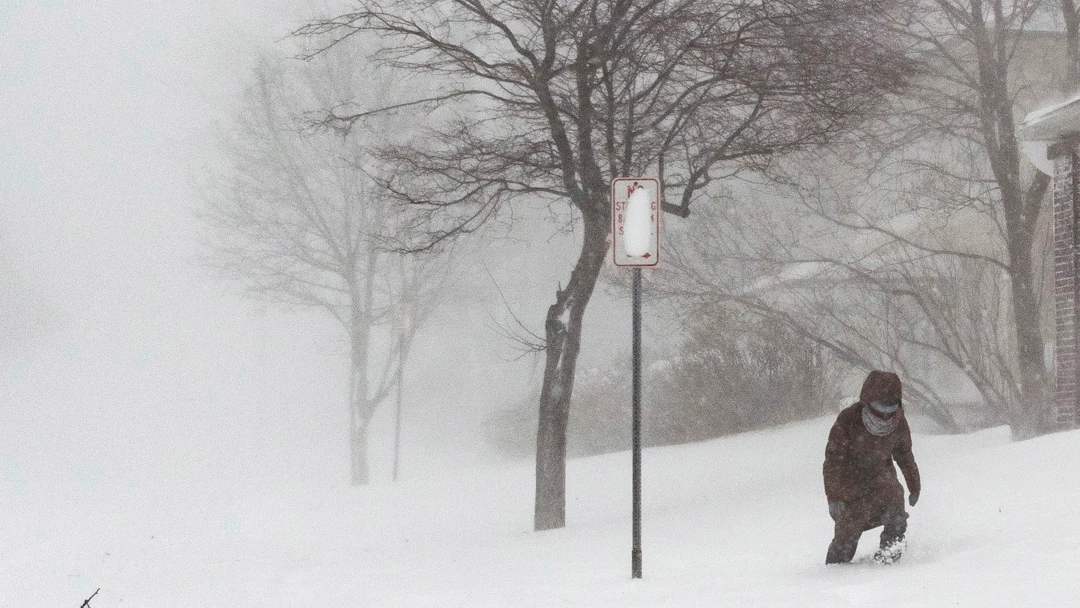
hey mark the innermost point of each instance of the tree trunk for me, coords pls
(1028, 417)
(397, 414)
(358, 410)
(358, 445)
(1021, 210)
(563, 331)
(360, 407)
(1072, 46)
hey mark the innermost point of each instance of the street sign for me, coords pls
(635, 221)
(635, 236)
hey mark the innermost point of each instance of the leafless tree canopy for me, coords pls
(298, 221)
(917, 242)
(550, 100)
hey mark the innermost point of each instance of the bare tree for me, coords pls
(971, 98)
(298, 221)
(977, 50)
(935, 319)
(937, 213)
(850, 306)
(549, 100)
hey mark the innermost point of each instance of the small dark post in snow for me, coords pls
(635, 555)
(86, 604)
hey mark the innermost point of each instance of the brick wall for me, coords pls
(1066, 284)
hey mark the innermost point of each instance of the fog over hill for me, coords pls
(125, 361)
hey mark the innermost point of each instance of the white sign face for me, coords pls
(635, 221)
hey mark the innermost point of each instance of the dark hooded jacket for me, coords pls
(858, 464)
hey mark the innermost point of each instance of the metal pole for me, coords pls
(397, 418)
(635, 555)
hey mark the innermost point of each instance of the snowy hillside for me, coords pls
(735, 522)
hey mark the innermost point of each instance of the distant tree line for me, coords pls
(550, 100)
(857, 119)
(917, 241)
(735, 372)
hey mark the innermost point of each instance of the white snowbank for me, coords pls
(734, 522)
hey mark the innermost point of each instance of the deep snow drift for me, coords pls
(739, 521)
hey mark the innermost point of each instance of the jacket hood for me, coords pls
(880, 386)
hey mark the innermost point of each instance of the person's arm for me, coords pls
(903, 457)
(836, 453)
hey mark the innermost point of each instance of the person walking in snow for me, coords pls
(860, 480)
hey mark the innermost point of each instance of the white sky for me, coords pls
(133, 368)
(139, 368)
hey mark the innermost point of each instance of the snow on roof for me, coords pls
(790, 273)
(1053, 121)
(1045, 19)
(906, 223)
(865, 243)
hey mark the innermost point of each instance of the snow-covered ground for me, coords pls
(734, 522)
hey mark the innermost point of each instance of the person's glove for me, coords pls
(914, 498)
(836, 509)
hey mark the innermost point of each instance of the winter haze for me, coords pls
(173, 442)
(126, 362)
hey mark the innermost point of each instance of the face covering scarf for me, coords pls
(879, 426)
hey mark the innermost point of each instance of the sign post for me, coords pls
(635, 230)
